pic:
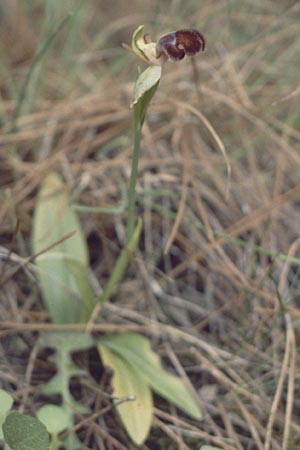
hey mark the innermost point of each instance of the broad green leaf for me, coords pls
(63, 268)
(54, 417)
(127, 381)
(54, 218)
(22, 432)
(136, 350)
(6, 402)
(84, 287)
(68, 298)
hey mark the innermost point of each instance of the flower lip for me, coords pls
(179, 43)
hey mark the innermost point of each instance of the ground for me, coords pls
(218, 192)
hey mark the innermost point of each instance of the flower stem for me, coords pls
(121, 264)
(133, 180)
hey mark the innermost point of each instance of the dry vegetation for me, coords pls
(219, 257)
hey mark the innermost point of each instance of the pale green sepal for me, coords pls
(138, 42)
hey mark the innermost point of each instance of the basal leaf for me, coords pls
(83, 286)
(127, 381)
(136, 350)
(22, 432)
(60, 289)
(54, 218)
(63, 268)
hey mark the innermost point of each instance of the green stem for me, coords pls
(121, 264)
(133, 180)
(133, 230)
(134, 227)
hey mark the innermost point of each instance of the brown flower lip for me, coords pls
(179, 43)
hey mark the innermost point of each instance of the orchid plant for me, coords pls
(61, 263)
(171, 46)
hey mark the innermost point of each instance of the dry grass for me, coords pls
(219, 258)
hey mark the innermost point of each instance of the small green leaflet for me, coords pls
(6, 402)
(22, 432)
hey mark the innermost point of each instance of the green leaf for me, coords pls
(65, 343)
(55, 418)
(63, 268)
(22, 432)
(144, 89)
(147, 79)
(83, 285)
(136, 350)
(63, 291)
(136, 415)
(209, 447)
(6, 402)
(54, 219)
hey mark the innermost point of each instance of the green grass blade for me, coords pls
(36, 61)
